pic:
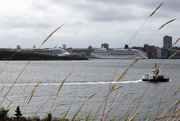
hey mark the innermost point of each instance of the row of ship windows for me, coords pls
(112, 54)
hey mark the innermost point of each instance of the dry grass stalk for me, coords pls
(109, 89)
(176, 103)
(100, 118)
(164, 117)
(145, 22)
(131, 104)
(64, 81)
(174, 54)
(134, 115)
(92, 95)
(125, 71)
(32, 92)
(176, 91)
(162, 72)
(175, 113)
(136, 111)
(13, 55)
(116, 88)
(57, 106)
(138, 97)
(35, 87)
(167, 23)
(128, 94)
(156, 9)
(9, 104)
(26, 64)
(170, 108)
(2, 88)
(174, 43)
(8, 61)
(158, 110)
(107, 111)
(52, 33)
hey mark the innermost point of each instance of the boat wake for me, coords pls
(73, 83)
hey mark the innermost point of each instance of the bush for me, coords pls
(3, 113)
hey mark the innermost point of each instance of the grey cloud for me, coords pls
(89, 20)
(117, 10)
(23, 22)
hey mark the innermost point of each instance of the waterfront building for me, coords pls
(105, 45)
(18, 47)
(64, 46)
(163, 53)
(150, 50)
(167, 42)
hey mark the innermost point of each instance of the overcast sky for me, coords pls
(87, 22)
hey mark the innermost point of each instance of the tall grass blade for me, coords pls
(116, 88)
(128, 94)
(176, 91)
(87, 117)
(107, 111)
(9, 104)
(138, 97)
(66, 113)
(77, 113)
(145, 22)
(162, 72)
(156, 9)
(32, 92)
(8, 61)
(57, 106)
(174, 54)
(158, 110)
(52, 33)
(125, 71)
(2, 88)
(92, 95)
(26, 66)
(166, 23)
(64, 81)
(174, 44)
(159, 29)
(113, 119)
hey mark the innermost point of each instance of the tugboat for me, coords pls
(155, 77)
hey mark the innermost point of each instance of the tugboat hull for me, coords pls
(160, 78)
(155, 77)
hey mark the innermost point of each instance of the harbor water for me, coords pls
(82, 79)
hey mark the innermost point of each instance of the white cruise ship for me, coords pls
(118, 54)
(46, 51)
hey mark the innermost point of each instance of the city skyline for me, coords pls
(87, 22)
(107, 45)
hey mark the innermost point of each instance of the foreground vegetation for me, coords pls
(19, 117)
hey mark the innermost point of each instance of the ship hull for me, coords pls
(118, 54)
(53, 52)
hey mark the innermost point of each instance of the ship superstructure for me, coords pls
(118, 54)
(46, 51)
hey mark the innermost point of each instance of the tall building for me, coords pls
(64, 46)
(105, 45)
(167, 42)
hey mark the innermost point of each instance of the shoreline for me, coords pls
(16, 56)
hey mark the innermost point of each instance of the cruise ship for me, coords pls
(118, 54)
(46, 51)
